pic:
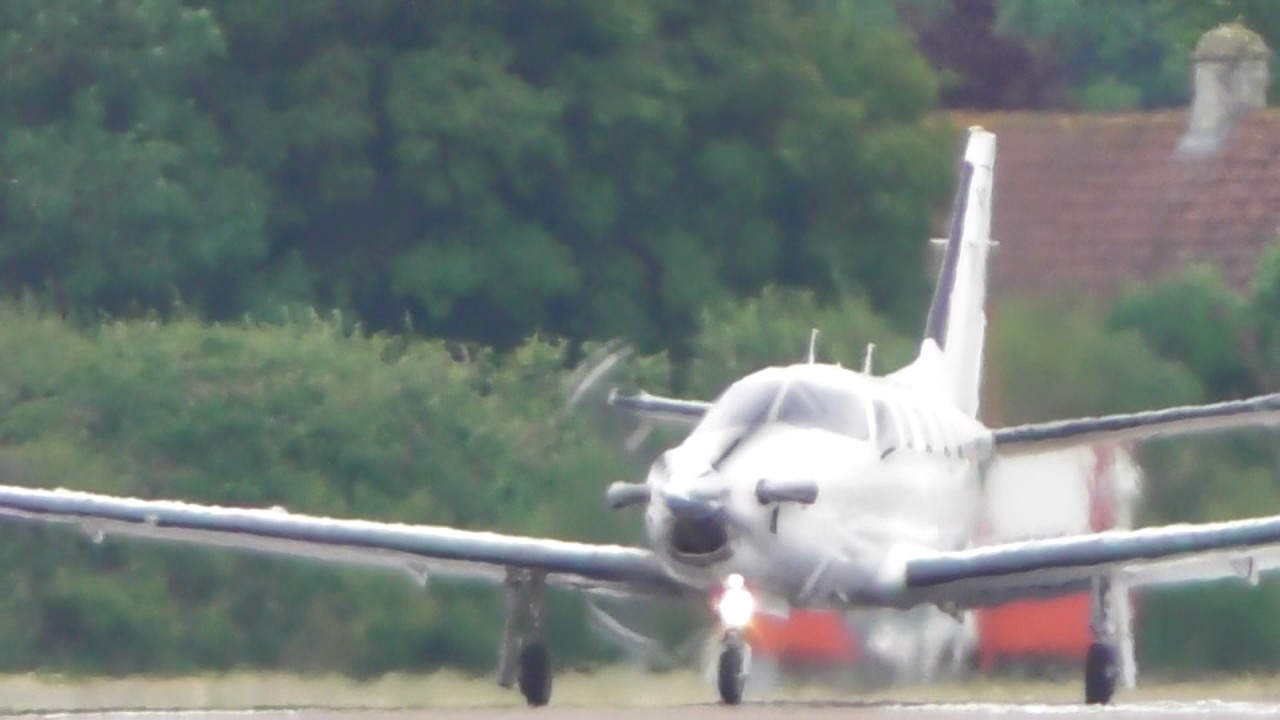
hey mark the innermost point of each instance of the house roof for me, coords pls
(1095, 202)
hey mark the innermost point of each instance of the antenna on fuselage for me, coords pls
(813, 345)
(868, 358)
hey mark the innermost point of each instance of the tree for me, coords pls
(1091, 55)
(1230, 343)
(1081, 368)
(118, 195)
(308, 416)
(980, 65)
(1194, 319)
(588, 169)
(737, 338)
(1120, 56)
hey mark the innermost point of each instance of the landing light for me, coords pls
(736, 606)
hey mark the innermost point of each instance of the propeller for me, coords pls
(623, 494)
(591, 384)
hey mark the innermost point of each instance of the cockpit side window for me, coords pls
(910, 435)
(889, 436)
(808, 404)
(921, 432)
(950, 434)
(934, 431)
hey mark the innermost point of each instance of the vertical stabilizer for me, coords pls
(951, 355)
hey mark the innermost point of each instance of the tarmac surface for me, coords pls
(748, 711)
(608, 693)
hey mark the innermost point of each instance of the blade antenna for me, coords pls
(813, 345)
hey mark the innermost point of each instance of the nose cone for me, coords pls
(694, 525)
(686, 504)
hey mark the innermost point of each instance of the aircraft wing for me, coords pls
(1042, 437)
(662, 409)
(1148, 556)
(421, 550)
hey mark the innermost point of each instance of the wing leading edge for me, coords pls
(1149, 556)
(421, 550)
(1046, 436)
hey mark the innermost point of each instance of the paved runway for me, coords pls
(789, 710)
(609, 693)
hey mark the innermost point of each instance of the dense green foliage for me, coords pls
(1093, 55)
(327, 422)
(1185, 340)
(304, 416)
(1080, 368)
(1230, 344)
(335, 422)
(774, 329)
(709, 180)
(583, 168)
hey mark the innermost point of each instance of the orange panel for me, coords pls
(1057, 627)
(806, 635)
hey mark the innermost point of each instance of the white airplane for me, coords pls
(801, 486)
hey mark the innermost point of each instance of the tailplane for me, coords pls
(950, 358)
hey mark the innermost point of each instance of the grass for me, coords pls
(608, 687)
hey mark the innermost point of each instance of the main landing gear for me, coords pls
(523, 657)
(1102, 663)
(735, 607)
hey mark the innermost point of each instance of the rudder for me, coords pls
(955, 330)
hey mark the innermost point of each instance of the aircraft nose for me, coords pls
(698, 530)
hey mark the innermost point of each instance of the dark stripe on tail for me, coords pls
(940, 307)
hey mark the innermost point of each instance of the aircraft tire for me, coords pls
(730, 677)
(535, 674)
(1101, 670)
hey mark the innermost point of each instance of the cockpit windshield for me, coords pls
(802, 402)
(808, 404)
(746, 403)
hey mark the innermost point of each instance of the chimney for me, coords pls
(1230, 72)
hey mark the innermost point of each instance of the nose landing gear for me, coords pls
(735, 608)
(732, 667)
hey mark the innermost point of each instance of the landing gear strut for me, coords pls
(1101, 664)
(735, 608)
(523, 657)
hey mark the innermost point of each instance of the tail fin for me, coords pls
(951, 354)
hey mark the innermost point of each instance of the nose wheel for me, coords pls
(735, 608)
(732, 667)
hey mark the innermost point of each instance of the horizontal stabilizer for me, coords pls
(1046, 436)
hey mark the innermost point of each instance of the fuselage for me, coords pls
(812, 481)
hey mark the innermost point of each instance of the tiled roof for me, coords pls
(1094, 202)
